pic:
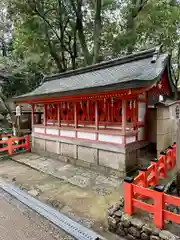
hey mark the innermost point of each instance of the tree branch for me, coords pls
(42, 16)
(137, 6)
(97, 30)
(82, 39)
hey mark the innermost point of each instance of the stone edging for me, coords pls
(134, 228)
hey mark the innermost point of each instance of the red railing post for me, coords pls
(155, 172)
(170, 161)
(27, 142)
(164, 167)
(174, 153)
(10, 149)
(143, 172)
(128, 195)
(159, 206)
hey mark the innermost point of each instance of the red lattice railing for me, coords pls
(136, 189)
(10, 145)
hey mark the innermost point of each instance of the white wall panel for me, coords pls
(52, 131)
(39, 130)
(86, 135)
(110, 138)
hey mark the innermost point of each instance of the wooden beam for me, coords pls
(124, 120)
(125, 94)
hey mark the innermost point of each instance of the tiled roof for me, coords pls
(132, 71)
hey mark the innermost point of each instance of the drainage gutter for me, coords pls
(70, 226)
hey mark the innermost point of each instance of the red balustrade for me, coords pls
(135, 190)
(10, 146)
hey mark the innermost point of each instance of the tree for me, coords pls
(133, 10)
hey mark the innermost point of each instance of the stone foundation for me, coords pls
(134, 228)
(106, 158)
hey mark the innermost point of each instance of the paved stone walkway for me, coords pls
(77, 176)
(80, 193)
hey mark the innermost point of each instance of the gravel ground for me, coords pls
(18, 222)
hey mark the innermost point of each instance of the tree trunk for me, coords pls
(4, 50)
(97, 31)
(52, 50)
(11, 114)
(135, 8)
(80, 29)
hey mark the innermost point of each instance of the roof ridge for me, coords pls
(114, 62)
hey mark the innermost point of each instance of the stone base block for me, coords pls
(87, 154)
(105, 161)
(112, 160)
(68, 150)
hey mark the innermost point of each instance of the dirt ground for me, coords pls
(86, 204)
(19, 222)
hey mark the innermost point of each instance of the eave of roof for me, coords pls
(137, 70)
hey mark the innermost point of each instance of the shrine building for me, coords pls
(96, 116)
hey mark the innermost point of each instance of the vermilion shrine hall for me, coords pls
(96, 116)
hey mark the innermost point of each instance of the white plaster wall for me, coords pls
(141, 111)
(39, 130)
(52, 131)
(85, 135)
(141, 133)
(66, 133)
(110, 138)
(130, 139)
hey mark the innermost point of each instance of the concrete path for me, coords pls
(17, 222)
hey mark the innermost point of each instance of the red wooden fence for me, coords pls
(135, 190)
(10, 144)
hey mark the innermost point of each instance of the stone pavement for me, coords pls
(77, 176)
(82, 194)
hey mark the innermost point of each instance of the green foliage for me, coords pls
(50, 36)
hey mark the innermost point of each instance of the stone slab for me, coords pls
(80, 181)
(68, 150)
(52, 147)
(39, 144)
(87, 154)
(112, 160)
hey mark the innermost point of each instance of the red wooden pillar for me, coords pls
(124, 120)
(112, 109)
(96, 119)
(58, 115)
(75, 118)
(158, 207)
(146, 119)
(27, 142)
(45, 114)
(136, 117)
(155, 172)
(88, 110)
(128, 195)
(10, 149)
(108, 110)
(32, 116)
